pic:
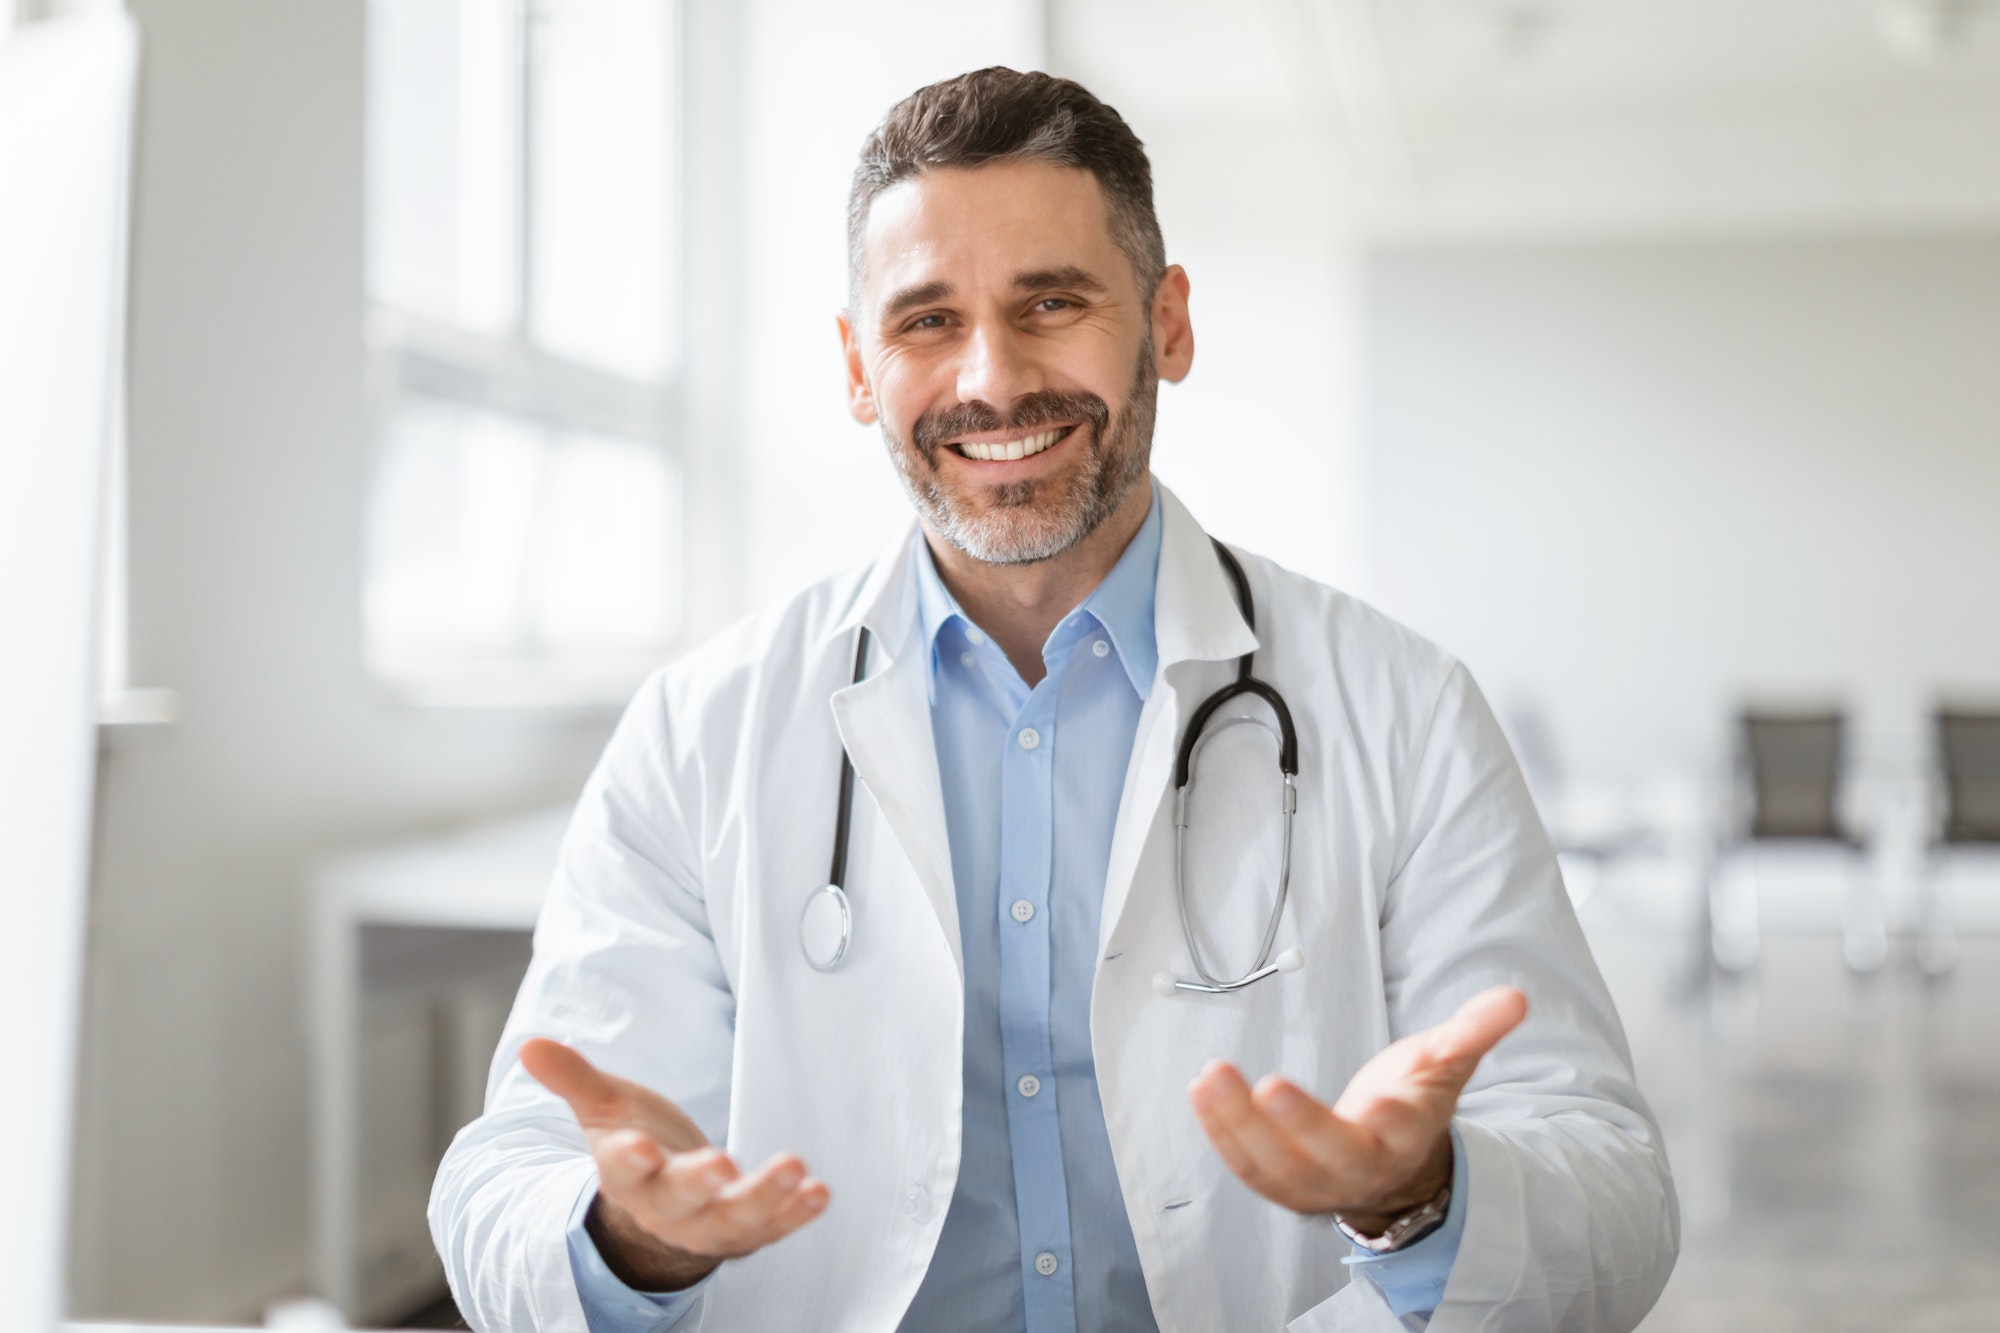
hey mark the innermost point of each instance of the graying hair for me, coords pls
(997, 115)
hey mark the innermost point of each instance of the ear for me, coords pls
(860, 399)
(1173, 334)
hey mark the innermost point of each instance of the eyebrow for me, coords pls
(1069, 276)
(911, 297)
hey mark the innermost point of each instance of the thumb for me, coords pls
(591, 1093)
(1478, 1026)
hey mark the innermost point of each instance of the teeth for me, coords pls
(1012, 449)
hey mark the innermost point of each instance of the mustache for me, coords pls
(933, 428)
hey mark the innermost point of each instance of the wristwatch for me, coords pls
(1407, 1229)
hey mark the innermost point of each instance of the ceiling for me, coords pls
(1474, 118)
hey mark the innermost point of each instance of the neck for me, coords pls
(1020, 605)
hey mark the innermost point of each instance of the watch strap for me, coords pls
(1407, 1229)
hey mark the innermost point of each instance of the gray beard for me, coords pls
(1023, 526)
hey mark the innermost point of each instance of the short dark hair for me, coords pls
(998, 114)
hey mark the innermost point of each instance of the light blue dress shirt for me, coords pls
(1036, 1238)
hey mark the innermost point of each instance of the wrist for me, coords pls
(1431, 1184)
(636, 1257)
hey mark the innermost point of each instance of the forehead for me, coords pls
(978, 227)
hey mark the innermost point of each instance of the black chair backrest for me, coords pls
(1794, 761)
(1969, 754)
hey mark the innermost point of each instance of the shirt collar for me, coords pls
(1122, 603)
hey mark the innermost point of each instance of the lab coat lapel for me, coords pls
(1195, 619)
(885, 723)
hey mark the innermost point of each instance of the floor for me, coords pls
(1836, 1140)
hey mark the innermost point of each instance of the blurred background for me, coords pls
(1644, 353)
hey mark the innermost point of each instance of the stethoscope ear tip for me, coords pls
(1163, 984)
(1291, 960)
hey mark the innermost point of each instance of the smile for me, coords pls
(1000, 451)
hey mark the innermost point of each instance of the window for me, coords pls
(523, 537)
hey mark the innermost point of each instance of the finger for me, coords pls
(1477, 1027)
(591, 1093)
(744, 1208)
(808, 1201)
(1252, 1145)
(689, 1183)
(626, 1160)
(1332, 1142)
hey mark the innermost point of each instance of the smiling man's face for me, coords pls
(1005, 346)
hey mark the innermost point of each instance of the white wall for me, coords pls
(1262, 439)
(1635, 482)
(248, 445)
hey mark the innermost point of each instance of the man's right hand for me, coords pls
(670, 1207)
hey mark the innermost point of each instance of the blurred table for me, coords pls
(487, 878)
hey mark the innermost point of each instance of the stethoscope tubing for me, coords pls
(1262, 967)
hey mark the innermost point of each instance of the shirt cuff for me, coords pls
(609, 1306)
(1412, 1280)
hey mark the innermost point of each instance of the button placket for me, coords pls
(1041, 1187)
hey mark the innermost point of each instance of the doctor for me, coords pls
(971, 1096)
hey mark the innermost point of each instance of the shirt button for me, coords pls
(1029, 738)
(917, 1203)
(1028, 1085)
(1045, 1263)
(1101, 648)
(1022, 911)
(974, 636)
(965, 659)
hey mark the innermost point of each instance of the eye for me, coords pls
(927, 322)
(1052, 304)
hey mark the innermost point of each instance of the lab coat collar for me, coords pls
(1195, 617)
(886, 602)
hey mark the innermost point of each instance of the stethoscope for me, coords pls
(826, 925)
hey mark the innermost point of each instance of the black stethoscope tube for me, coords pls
(846, 815)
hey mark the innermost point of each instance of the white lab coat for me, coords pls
(669, 953)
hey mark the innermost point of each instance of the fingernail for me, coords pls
(716, 1176)
(789, 1177)
(637, 1160)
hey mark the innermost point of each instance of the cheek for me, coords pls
(904, 389)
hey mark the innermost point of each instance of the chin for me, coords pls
(1018, 535)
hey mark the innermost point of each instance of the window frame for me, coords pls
(411, 356)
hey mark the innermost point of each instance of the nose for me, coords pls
(996, 367)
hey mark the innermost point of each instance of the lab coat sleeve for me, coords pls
(625, 969)
(1571, 1219)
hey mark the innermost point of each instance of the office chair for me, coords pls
(1790, 775)
(1968, 760)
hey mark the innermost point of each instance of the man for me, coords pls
(1014, 1122)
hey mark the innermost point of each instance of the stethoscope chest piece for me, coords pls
(825, 926)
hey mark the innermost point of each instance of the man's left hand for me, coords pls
(1379, 1151)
